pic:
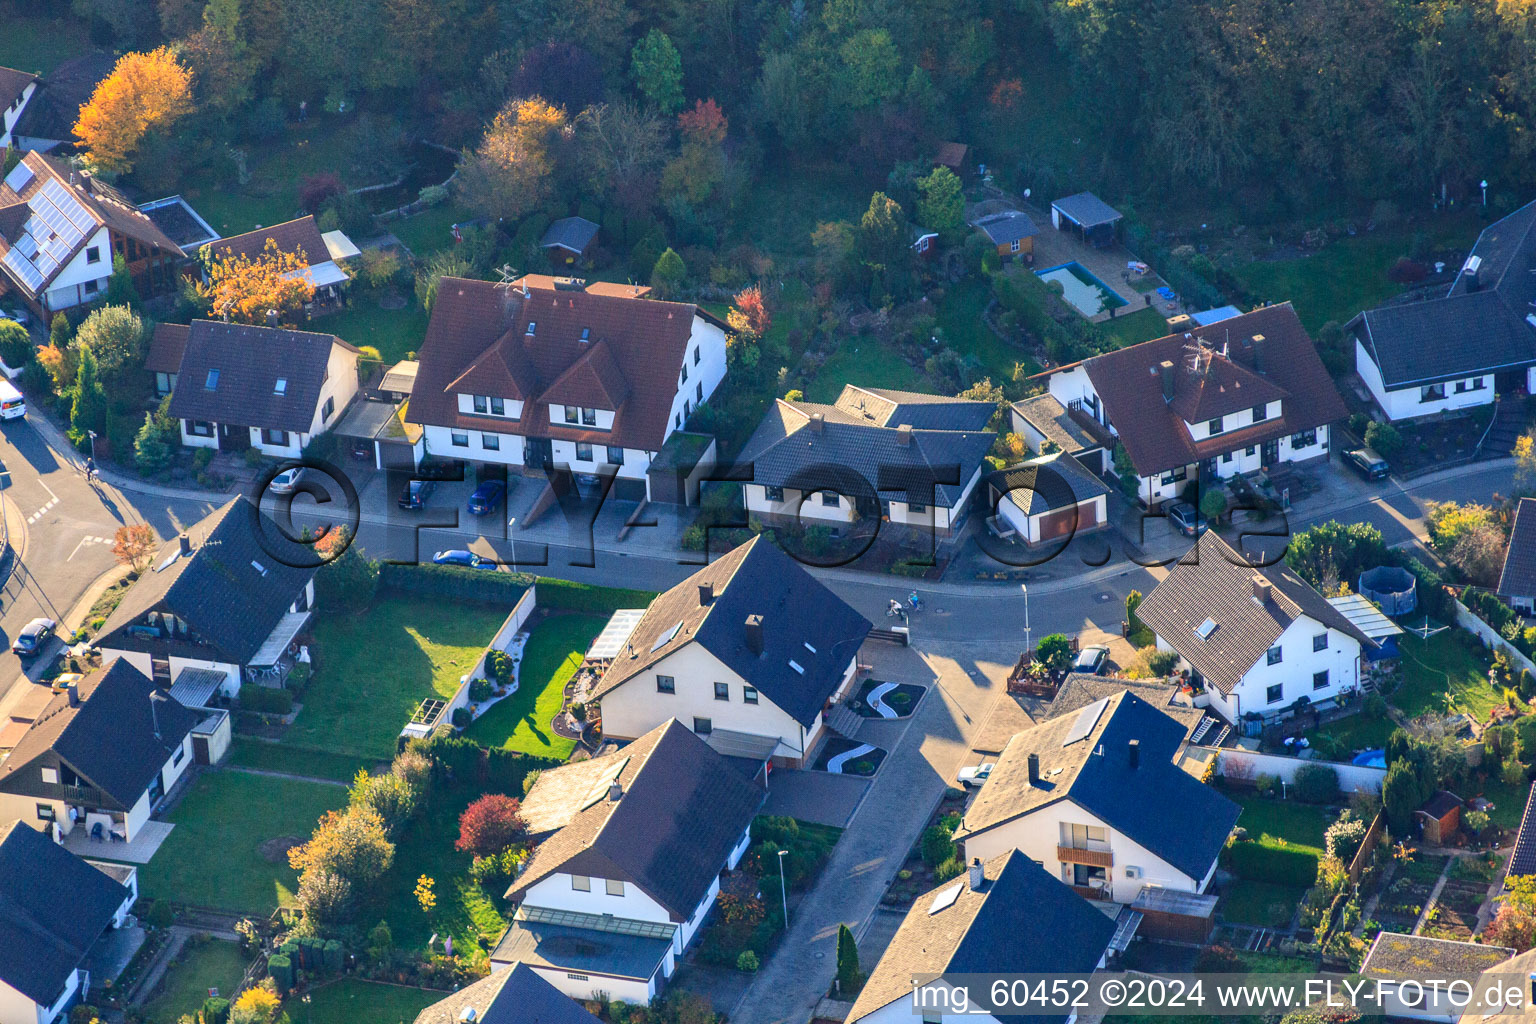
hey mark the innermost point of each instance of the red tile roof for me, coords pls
(478, 342)
(1208, 383)
(301, 236)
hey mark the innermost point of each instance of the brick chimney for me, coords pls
(978, 874)
(706, 594)
(904, 435)
(1134, 753)
(817, 421)
(1034, 769)
(1261, 589)
(754, 628)
(186, 544)
(1165, 371)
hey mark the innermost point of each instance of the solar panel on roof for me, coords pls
(25, 272)
(666, 637)
(1086, 720)
(20, 177)
(945, 899)
(599, 788)
(1205, 629)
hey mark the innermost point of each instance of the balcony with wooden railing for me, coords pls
(1092, 858)
(1093, 892)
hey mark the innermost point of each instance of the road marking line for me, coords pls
(55, 497)
(77, 549)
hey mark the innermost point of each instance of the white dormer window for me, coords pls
(531, 326)
(281, 387)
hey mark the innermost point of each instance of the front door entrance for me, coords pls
(1271, 453)
(200, 750)
(234, 438)
(538, 454)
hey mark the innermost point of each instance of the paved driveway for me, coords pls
(875, 843)
(821, 797)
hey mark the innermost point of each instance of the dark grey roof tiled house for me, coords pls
(228, 595)
(748, 652)
(517, 995)
(54, 909)
(636, 843)
(1464, 347)
(1517, 580)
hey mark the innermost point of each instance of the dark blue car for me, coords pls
(487, 497)
(459, 556)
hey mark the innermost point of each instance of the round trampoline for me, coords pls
(1394, 589)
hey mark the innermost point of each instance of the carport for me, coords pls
(396, 445)
(1093, 218)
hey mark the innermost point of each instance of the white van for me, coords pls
(12, 404)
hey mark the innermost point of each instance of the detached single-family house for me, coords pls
(531, 375)
(101, 757)
(60, 229)
(1466, 347)
(16, 88)
(1395, 957)
(610, 901)
(239, 386)
(47, 119)
(216, 603)
(1517, 581)
(518, 995)
(911, 460)
(1048, 498)
(54, 909)
(567, 240)
(1258, 638)
(1011, 233)
(1086, 795)
(324, 253)
(1006, 916)
(749, 651)
(1088, 215)
(1241, 395)
(1522, 861)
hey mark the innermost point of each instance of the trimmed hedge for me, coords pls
(581, 597)
(266, 699)
(494, 770)
(454, 583)
(281, 968)
(1279, 864)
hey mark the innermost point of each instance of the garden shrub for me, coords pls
(937, 845)
(215, 1010)
(1278, 864)
(952, 867)
(454, 583)
(462, 717)
(281, 969)
(266, 699)
(747, 962)
(1344, 838)
(480, 690)
(1317, 783)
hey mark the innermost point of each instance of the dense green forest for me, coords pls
(1260, 111)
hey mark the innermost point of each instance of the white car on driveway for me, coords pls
(973, 776)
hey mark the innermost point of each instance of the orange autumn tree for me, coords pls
(144, 92)
(245, 288)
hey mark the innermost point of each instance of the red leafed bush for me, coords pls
(1407, 271)
(317, 188)
(490, 825)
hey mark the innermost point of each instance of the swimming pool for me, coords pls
(1084, 292)
(1371, 759)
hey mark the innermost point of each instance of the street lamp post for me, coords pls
(92, 434)
(1484, 186)
(309, 1014)
(1024, 587)
(783, 892)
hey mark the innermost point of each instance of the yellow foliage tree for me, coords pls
(246, 288)
(511, 171)
(144, 92)
(259, 1004)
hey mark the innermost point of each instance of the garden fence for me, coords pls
(1490, 637)
(1367, 851)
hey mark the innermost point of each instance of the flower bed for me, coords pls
(1455, 912)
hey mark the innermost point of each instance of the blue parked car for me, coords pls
(459, 556)
(487, 497)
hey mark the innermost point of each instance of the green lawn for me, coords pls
(864, 361)
(554, 652)
(213, 858)
(1508, 802)
(350, 1001)
(430, 230)
(276, 169)
(1300, 825)
(464, 910)
(1341, 740)
(1444, 673)
(204, 964)
(1134, 328)
(1350, 274)
(37, 42)
(374, 668)
(959, 315)
(394, 332)
(1260, 903)
(283, 757)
